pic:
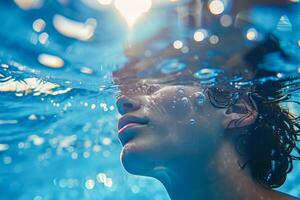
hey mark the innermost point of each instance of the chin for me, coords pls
(135, 161)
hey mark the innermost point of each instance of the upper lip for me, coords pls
(126, 119)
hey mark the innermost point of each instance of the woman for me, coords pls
(208, 140)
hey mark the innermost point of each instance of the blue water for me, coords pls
(58, 139)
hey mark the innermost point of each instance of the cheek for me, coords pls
(177, 107)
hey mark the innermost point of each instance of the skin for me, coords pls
(184, 144)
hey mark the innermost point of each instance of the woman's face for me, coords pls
(166, 125)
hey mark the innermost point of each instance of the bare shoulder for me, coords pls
(284, 196)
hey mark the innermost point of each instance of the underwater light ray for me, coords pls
(132, 10)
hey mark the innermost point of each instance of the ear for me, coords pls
(241, 114)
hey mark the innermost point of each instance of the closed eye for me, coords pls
(139, 89)
(147, 89)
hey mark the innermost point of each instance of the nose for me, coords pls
(126, 104)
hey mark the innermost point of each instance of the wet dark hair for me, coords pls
(268, 144)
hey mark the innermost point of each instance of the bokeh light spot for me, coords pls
(216, 7)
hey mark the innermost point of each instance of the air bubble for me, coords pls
(185, 100)
(192, 121)
(180, 91)
(200, 98)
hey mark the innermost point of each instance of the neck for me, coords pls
(222, 178)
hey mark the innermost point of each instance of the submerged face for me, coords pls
(166, 126)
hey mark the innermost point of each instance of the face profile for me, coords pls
(212, 141)
(162, 127)
(171, 132)
(207, 123)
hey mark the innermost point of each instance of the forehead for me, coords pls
(149, 86)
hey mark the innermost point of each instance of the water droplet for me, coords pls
(180, 91)
(185, 100)
(32, 117)
(200, 35)
(214, 39)
(90, 184)
(200, 98)
(252, 34)
(7, 160)
(192, 121)
(178, 44)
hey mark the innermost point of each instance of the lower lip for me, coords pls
(128, 126)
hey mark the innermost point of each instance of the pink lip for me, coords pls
(128, 126)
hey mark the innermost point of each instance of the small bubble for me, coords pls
(86, 154)
(86, 70)
(43, 38)
(178, 44)
(90, 184)
(93, 106)
(96, 148)
(7, 160)
(87, 144)
(180, 91)
(74, 155)
(108, 183)
(32, 117)
(200, 98)
(185, 49)
(226, 20)
(192, 121)
(185, 100)
(101, 177)
(39, 25)
(106, 141)
(214, 39)
(200, 35)
(36, 140)
(279, 75)
(252, 34)
(21, 145)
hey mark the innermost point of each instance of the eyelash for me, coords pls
(146, 89)
(141, 89)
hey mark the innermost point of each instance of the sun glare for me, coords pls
(133, 9)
